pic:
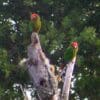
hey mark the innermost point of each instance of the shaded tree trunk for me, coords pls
(67, 81)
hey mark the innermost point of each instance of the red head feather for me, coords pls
(34, 16)
(74, 44)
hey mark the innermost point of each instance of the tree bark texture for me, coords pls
(39, 69)
(67, 80)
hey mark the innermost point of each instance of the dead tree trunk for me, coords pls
(39, 70)
(67, 81)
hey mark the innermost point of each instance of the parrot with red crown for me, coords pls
(71, 52)
(35, 23)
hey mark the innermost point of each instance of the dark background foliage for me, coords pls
(63, 21)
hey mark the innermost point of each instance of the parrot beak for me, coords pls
(33, 17)
(75, 47)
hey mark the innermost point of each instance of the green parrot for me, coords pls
(35, 23)
(71, 52)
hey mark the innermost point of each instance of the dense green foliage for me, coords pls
(63, 21)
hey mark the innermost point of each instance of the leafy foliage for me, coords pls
(63, 21)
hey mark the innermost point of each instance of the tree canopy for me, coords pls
(63, 21)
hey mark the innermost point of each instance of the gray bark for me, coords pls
(39, 66)
(67, 81)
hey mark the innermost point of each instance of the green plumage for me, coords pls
(70, 53)
(35, 25)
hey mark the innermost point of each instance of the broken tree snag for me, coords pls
(39, 70)
(67, 80)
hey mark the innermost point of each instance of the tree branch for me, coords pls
(67, 81)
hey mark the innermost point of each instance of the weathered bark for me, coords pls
(67, 81)
(39, 67)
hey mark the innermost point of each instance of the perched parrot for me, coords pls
(35, 23)
(71, 52)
